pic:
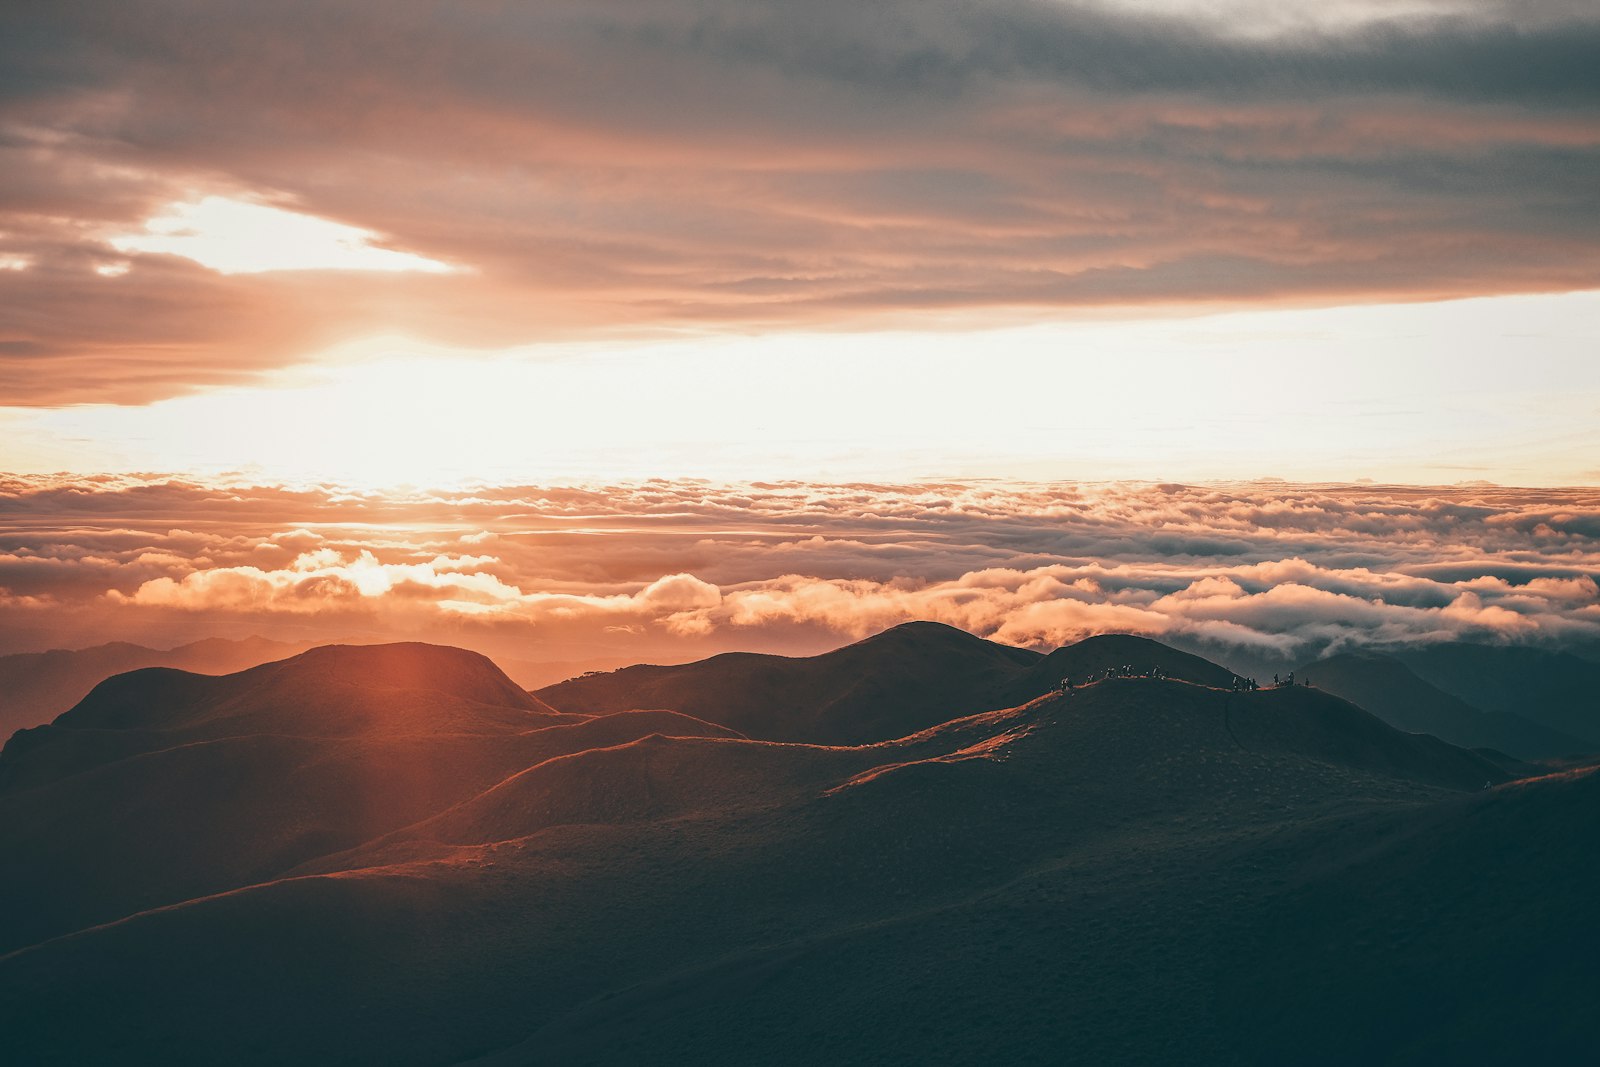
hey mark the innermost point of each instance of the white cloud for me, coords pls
(674, 565)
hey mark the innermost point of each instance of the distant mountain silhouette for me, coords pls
(1385, 686)
(392, 855)
(1557, 689)
(35, 687)
(908, 678)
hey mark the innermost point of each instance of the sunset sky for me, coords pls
(386, 276)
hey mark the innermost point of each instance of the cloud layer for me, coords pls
(605, 168)
(678, 569)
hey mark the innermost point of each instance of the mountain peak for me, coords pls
(921, 633)
(163, 697)
(411, 665)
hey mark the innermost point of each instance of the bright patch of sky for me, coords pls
(1505, 389)
(241, 237)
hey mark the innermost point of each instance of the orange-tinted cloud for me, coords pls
(615, 168)
(678, 569)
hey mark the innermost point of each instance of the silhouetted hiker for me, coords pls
(1291, 677)
(1275, 680)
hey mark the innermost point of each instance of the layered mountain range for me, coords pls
(37, 686)
(920, 848)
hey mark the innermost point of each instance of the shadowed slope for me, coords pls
(687, 774)
(1389, 689)
(1460, 936)
(1313, 723)
(651, 778)
(992, 887)
(1122, 727)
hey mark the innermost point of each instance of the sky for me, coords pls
(376, 250)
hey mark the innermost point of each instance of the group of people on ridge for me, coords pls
(1249, 685)
(1125, 670)
(1244, 685)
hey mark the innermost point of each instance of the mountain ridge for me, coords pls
(415, 875)
(906, 678)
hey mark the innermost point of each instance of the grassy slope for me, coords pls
(1093, 874)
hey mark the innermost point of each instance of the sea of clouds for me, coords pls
(677, 569)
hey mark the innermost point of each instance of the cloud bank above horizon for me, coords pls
(681, 569)
(609, 170)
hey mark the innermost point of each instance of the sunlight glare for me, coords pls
(1167, 399)
(239, 237)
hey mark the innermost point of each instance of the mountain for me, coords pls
(1388, 688)
(35, 687)
(161, 785)
(905, 679)
(1557, 689)
(908, 678)
(391, 854)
